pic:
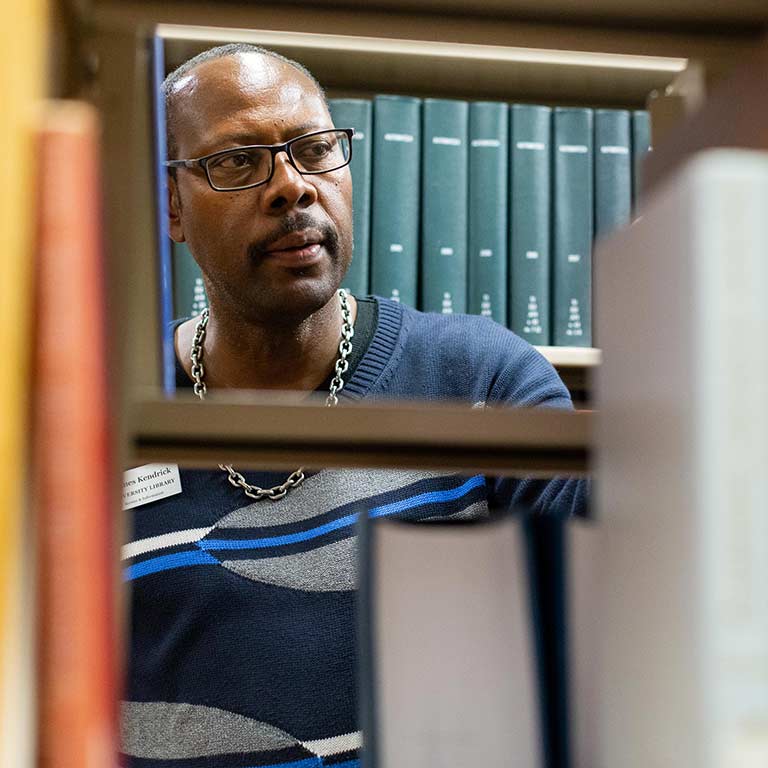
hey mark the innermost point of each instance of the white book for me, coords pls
(583, 553)
(452, 646)
(683, 472)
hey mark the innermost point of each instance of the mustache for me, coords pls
(297, 223)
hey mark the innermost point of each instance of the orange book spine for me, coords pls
(72, 463)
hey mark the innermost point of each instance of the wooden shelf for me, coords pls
(378, 64)
(620, 13)
(497, 23)
(249, 430)
(572, 357)
(624, 11)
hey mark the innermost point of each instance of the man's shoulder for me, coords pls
(478, 340)
(452, 331)
(473, 348)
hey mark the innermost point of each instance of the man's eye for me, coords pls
(316, 149)
(239, 160)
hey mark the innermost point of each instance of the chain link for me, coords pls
(337, 384)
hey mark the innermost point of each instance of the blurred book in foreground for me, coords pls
(72, 480)
(565, 559)
(480, 642)
(447, 664)
(683, 451)
(24, 54)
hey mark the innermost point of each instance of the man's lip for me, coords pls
(300, 240)
(300, 257)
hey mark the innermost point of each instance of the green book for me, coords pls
(613, 170)
(641, 146)
(488, 179)
(573, 226)
(444, 206)
(358, 114)
(395, 198)
(189, 298)
(530, 227)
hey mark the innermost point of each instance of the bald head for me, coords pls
(254, 66)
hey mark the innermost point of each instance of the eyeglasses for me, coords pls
(252, 166)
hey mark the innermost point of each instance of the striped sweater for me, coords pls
(242, 643)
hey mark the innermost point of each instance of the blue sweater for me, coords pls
(242, 645)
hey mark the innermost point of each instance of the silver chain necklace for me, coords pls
(337, 384)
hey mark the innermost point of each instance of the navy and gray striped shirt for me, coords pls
(242, 644)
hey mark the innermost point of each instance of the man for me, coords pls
(242, 647)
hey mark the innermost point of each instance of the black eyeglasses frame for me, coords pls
(274, 149)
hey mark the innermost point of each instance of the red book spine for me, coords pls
(72, 464)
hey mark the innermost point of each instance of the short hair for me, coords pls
(219, 52)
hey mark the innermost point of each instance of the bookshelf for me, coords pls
(572, 357)
(354, 64)
(366, 64)
(439, 34)
(681, 447)
(236, 429)
(458, 70)
(576, 367)
(638, 11)
(714, 33)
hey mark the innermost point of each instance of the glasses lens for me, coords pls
(321, 152)
(239, 168)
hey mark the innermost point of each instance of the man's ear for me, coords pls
(175, 230)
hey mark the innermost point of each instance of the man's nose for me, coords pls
(287, 188)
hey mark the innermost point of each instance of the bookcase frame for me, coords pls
(456, 70)
(239, 429)
(150, 428)
(366, 64)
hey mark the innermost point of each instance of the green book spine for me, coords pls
(613, 170)
(395, 200)
(573, 227)
(530, 227)
(189, 298)
(444, 206)
(641, 146)
(358, 114)
(488, 180)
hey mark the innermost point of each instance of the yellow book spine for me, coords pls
(23, 50)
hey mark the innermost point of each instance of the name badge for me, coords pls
(151, 482)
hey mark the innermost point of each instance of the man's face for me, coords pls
(274, 253)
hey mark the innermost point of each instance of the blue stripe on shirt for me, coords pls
(430, 497)
(166, 562)
(184, 559)
(311, 762)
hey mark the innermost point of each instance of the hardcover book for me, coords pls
(358, 114)
(682, 453)
(530, 226)
(189, 298)
(641, 146)
(447, 667)
(613, 170)
(24, 58)
(573, 227)
(488, 219)
(444, 206)
(395, 198)
(73, 484)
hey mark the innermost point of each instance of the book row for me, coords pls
(481, 207)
